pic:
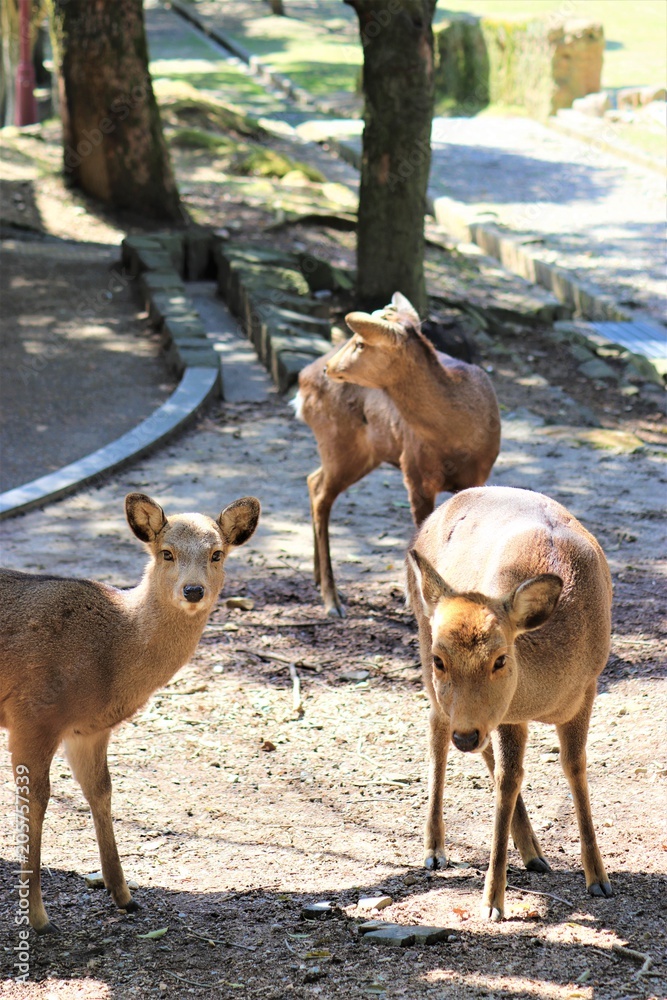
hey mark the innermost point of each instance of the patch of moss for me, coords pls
(195, 138)
(261, 162)
(181, 106)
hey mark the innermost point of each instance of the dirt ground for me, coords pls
(233, 811)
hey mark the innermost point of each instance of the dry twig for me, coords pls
(226, 944)
(534, 892)
(638, 956)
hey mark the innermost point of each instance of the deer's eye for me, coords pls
(217, 555)
(500, 663)
(167, 555)
(438, 663)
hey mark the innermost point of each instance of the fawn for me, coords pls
(79, 657)
(387, 395)
(512, 597)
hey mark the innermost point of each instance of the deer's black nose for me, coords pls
(193, 593)
(466, 741)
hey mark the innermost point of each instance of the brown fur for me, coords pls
(388, 396)
(78, 657)
(513, 601)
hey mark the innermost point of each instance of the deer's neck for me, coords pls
(160, 641)
(421, 394)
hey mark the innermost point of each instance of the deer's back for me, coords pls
(491, 539)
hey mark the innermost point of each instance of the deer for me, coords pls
(512, 597)
(386, 395)
(78, 657)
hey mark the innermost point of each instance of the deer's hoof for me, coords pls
(435, 861)
(540, 865)
(130, 907)
(600, 889)
(336, 611)
(48, 928)
(491, 913)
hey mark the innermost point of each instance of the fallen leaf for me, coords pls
(153, 935)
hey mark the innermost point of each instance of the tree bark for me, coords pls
(113, 145)
(398, 84)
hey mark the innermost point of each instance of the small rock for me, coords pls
(244, 603)
(597, 368)
(410, 879)
(317, 911)
(268, 746)
(229, 627)
(374, 925)
(430, 935)
(354, 675)
(392, 935)
(592, 104)
(375, 902)
(95, 880)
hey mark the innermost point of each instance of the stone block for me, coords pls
(597, 369)
(169, 303)
(155, 260)
(179, 357)
(594, 105)
(525, 61)
(285, 368)
(392, 935)
(200, 264)
(273, 342)
(177, 327)
(131, 248)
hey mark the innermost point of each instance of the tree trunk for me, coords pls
(398, 85)
(114, 149)
(277, 7)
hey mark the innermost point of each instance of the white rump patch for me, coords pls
(297, 405)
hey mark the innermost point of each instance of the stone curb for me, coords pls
(261, 70)
(583, 298)
(197, 387)
(269, 293)
(267, 290)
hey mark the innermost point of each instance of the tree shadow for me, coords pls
(257, 938)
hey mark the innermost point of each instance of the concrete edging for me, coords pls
(197, 386)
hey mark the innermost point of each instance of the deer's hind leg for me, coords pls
(87, 756)
(573, 736)
(521, 830)
(338, 471)
(31, 761)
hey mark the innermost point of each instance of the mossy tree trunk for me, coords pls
(112, 135)
(398, 85)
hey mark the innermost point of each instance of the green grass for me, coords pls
(635, 32)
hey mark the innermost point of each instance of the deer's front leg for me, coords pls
(509, 746)
(434, 831)
(522, 831)
(87, 756)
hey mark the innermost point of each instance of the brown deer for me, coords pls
(78, 657)
(513, 601)
(387, 395)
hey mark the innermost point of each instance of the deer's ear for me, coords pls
(534, 601)
(431, 585)
(238, 520)
(144, 516)
(405, 309)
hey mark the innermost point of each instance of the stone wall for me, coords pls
(532, 63)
